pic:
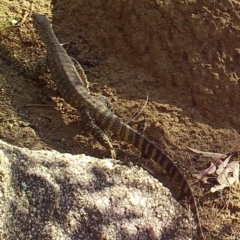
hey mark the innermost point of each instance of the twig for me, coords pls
(134, 117)
(38, 105)
(24, 19)
(25, 16)
(53, 129)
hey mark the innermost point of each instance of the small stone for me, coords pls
(24, 124)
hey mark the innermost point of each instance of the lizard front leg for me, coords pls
(98, 133)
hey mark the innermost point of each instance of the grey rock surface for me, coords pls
(49, 195)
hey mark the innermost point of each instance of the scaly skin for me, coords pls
(98, 116)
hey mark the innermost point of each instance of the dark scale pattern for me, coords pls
(99, 117)
(149, 150)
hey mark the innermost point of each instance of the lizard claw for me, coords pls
(113, 153)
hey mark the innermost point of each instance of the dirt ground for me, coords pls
(182, 56)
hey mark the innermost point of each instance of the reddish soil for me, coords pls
(182, 55)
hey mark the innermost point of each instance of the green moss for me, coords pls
(5, 19)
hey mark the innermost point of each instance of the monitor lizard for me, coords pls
(97, 115)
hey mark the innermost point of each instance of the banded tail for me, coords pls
(107, 120)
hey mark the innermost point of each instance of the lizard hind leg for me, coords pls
(81, 73)
(99, 134)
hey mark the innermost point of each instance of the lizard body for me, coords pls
(98, 117)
